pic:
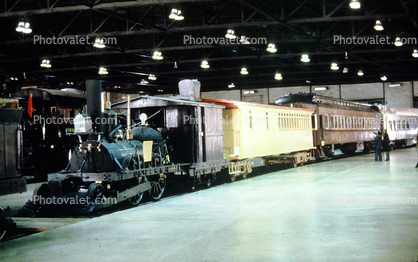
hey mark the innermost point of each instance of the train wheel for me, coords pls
(158, 187)
(233, 177)
(3, 225)
(135, 200)
(95, 191)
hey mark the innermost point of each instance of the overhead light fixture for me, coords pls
(205, 64)
(334, 66)
(143, 82)
(46, 63)
(23, 27)
(398, 41)
(345, 70)
(244, 71)
(308, 81)
(355, 4)
(99, 43)
(360, 73)
(230, 34)
(249, 92)
(14, 78)
(231, 85)
(278, 76)
(383, 78)
(244, 40)
(157, 55)
(271, 48)
(321, 88)
(415, 53)
(176, 14)
(394, 84)
(103, 71)
(152, 77)
(305, 58)
(378, 26)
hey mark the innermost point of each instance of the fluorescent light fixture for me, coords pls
(244, 40)
(230, 34)
(99, 43)
(398, 41)
(152, 77)
(354, 4)
(271, 48)
(415, 53)
(103, 71)
(231, 85)
(360, 73)
(244, 71)
(321, 88)
(46, 63)
(345, 70)
(205, 64)
(305, 58)
(278, 76)
(157, 55)
(394, 84)
(334, 66)
(378, 26)
(383, 78)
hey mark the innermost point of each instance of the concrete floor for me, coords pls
(353, 209)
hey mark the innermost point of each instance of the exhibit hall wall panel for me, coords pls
(398, 94)
(362, 91)
(229, 95)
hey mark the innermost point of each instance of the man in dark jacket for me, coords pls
(378, 146)
(386, 144)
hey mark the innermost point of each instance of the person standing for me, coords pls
(386, 144)
(378, 146)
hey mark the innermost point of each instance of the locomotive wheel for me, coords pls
(2, 225)
(135, 200)
(95, 191)
(158, 187)
(233, 177)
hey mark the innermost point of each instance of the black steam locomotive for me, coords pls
(109, 166)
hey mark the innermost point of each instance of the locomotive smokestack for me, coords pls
(94, 105)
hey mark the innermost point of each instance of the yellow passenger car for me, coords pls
(276, 134)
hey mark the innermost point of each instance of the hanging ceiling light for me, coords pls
(46, 63)
(99, 43)
(355, 4)
(271, 48)
(157, 55)
(305, 58)
(378, 26)
(244, 40)
(176, 14)
(143, 82)
(103, 71)
(230, 34)
(278, 76)
(334, 66)
(360, 73)
(244, 71)
(23, 28)
(383, 78)
(345, 70)
(205, 64)
(398, 41)
(152, 77)
(415, 53)
(231, 85)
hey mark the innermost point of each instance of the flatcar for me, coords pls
(45, 143)
(338, 124)
(275, 134)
